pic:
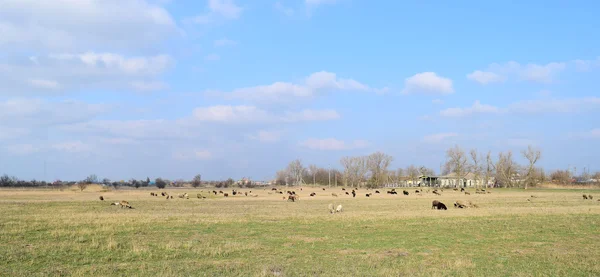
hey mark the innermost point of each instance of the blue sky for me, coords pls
(231, 88)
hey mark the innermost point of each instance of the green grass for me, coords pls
(73, 234)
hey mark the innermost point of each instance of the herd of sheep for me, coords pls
(293, 197)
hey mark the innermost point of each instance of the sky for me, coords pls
(231, 88)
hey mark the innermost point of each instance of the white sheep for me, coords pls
(339, 208)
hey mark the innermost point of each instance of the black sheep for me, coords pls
(440, 205)
(405, 192)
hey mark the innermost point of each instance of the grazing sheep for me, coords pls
(234, 192)
(162, 194)
(323, 188)
(455, 189)
(417, 191)
(347, 193)
(215, 192)
(292, 198)
(461, 204)
(281, 192)
(152, 194)
(331, 210)
(405, 192)
(590, 196)
(585, 197)
(467, 193)
(462, 189)
(368, 195)
(101, 198)
(123, 204)
(333, 194)
(246, 193)
(226, 194)
(339, 208)
(353, 193)
(434, 204)
(436, 192)
(313, 194)
(221, 192)
(343, 189)
(440, 206)
(376, 191)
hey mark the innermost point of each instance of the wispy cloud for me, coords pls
(333, 144)
(437, 138)
(546, 73)
(427, 83)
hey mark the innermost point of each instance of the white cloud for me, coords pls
(529, 72)
(437, 138)
(148, 86)
(253, 114)
(266, 136)
(283, 9)
(24, 112)
(194, 154)
(333, 144)
(565, 105)
(319, 2)
(427, 82)
(115, 62)
(437, 101)
(44, 84)
(72, 147)
(476, 108)
(212, 57)
(224, 42)
(287, 92)
(128, 24)
(22, 149)
(218, 9)
(485, 77)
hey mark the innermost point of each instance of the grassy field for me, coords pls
(72, 233)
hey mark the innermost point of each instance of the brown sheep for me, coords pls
(585, 197)
(226, 194)
(440, 206)
(434, 204)
(292, 198)
(590, 196)
(467, 193)
(101, 198)
(333, 194)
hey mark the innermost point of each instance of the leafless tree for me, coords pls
(489, 168)
(506, 169)
(197, 181)
(456, 162)
(561, 176)
(355, 169)
(82, 185)
(313, 172)
(532, 155)
(377, 163)
(412, 172)
(296, 170)
(476, 167)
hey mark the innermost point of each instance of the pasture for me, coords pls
(73, 233)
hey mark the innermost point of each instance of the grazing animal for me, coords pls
(333, 194)
(246, 193)
(368, 195)
(234, 192)
(292, 198)
(323, 188)
(353, 193)
(417, 191)
(162, 194)
(273, 188)
(462, 189)
(226, 194)
(467, 193)
(436, 192)
(376, 191)
(405, 192)
(123, 204)
(215, 192)
(152, 194)
(331, 210)
(590, 196)
(221, 192)
(101, 198)
(347, 193)
(440, 206)
(585, 197)
(283, 197)
(281, 192)
(462, 204)
(455, 189)
(434, 204)
(343, 189)
(339, 208)
(313, 194)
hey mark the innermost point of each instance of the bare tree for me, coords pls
(377, 164)
(532, 155)
(412, 172)
(456, 162)
(506, 169)
(489, 168)
(561, 176)
(313, 171)
(197, 181)
(82, 185)
(296, 170)
(476, 166)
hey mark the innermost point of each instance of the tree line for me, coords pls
(374, 170)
